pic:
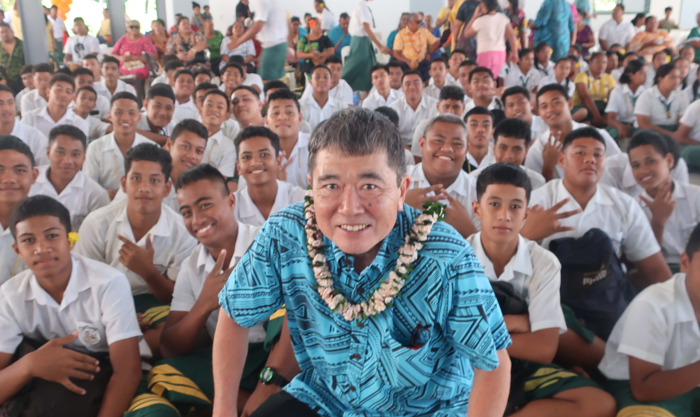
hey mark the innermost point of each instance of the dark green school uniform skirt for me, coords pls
(272, 62)
(686, 405)
(358, 64)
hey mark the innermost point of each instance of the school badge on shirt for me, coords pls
(89, 335)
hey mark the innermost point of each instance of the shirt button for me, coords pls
(355, 356)
(360, 325)
(352, 388)
(346, 261)
(360, 291)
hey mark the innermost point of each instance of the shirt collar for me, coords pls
(520, 262)
(670, 98)
(65, 120)
(600, 197)
(460, 185)
(77, 182)
(246, 234)
(111, 142)
(627, 90)
(682, 305)
(678, 193)
(77, 283)
(161, 228)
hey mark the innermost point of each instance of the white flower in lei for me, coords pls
(390, 287)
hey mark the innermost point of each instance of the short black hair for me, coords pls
(201, 71)
(237, 66)
(693, 244)
(344, 16)
(202, 172)
(390, 114)
(525, 51)
(43, 67)
(275, 84)
(149, 152)
(320, 66)
(397, 64)
(62, 78)
(91, 56)
(257, 131)
(189, 125)
(663, 71)
(39, 205)
(283, 94)
(174, 64)
(161, 90)
(237, 59)
(553, 87)
(411, 72)
(26, 69)
(82, 71)
(124, 95)
(378, 67)
(218, 92)
(513, 128)
(86, 88)
(478, 110)
(511, 91)
(468, 63)
(70, 131)
(478, 70)
(333, 59)
(108, 59)
(204, 86)
(4, 87)
(503, 173)
(439, 59)
(183, 72)
(13, 143)
(584, 132)
(458, 51)
(451, 92)
(247, 88)
(669, 8)
(659, 53)
(620, 5)
(663, 144)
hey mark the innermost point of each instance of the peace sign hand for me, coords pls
(418, 196)
(541, 223)
(136, 258)
(282, 171)
(214, 283)
(551, 150)
(663, 205)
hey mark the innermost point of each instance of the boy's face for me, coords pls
(66, 156)
(659, 60)
(28, 80)
(444, 149)
(321, 80)
(246, 106)
(562, 69)
(583, 162)
(16, 177)
(518, 107)
(451, 106)
(232, 78)
(649, 167)
(93, 65)
(61, 93)
(214, 110)
(336, 73)
(456, 60)
(438, 70)
(527, 62)
(412, 87)
(201, 78)
(110, 71)
(124, 115)
(257, 162)
(207, 211)
(184, 85)
(598, 64)
(83, 80)
(85, 102)
(395, 74)
(42, 243)
(480, 128)
(171, 76)
(159, 110)
(502, 211)
(146, 186)
(510, 150)
(283, 118)
(463, 73)
(41, 80)
(482, 86)
(8, 110)
(380, 79)
(187, 151)
(554, 108)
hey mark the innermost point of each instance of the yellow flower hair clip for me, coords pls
(72, 238)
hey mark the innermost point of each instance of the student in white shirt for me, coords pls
(616, 30)
(394, 119)
(247, 107)
(104, 161)
(56, 112)
(413, 107)
(503, 191)
(457, 56)
(687, 52)
(219, 151)
(111, 84)
(560, 75)
(626, 59)
(328, 20)
(382, 94)
(260, 164)
(231, 78)
(623, 98)
(201, 75)
(543, 56)
(439, 176)
(91, 62)
(249, 79)
(320, 105)
(465, 68)
(523, 73)
(27, 77)
(17, 171)
(230, 126)
(340, 90)
(85, 101)
(185, 107)
(63, 179)
(480, 133)
(692, 91)
(516, 104)
(451, 101)
(661, 107)
(482, 87)
(156, 123)
(81, 43)
(81, 307)
(141, 237)
(85, 77)
(38, 98)
(9, 125)
(438, 76)
(651, 358)
(660, 58)
(395, 75)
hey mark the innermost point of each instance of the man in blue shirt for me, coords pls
(438, 346)
(339, 35)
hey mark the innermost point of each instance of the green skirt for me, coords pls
(686, 405)
(359, 63)
(155, 311)
(546, 381)
(573, 324)
(272, 62)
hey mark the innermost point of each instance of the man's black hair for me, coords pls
(451, 92)
(39, 205)
(511, 91)
(513, 128)
(108, 59)
(283, 94)
(183, 72)
(505, 174)
(478, 110)
(161, 90)
(390, 114)
(62, 78)
(663, 144)
(584, 132)
(174, 64)
(86, 88)
(200, 71)
(254, 132)
(26, 69)
(124, 95)
(553, 87)
(411, 72)
(218, 92)
(253, 91)
(235, 65)
(478, 70)
(149, 152)
(378, 67)
(204, 86)
(693, 244)
(189, 125)
(13, 143)
(333, 59)
(468, 63)
(82, 71)
(202, 172)
(275, 84)
(70, 131)
(43, 67)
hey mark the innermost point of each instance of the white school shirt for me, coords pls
(10, 263)
(58, 27)
(659, 326)
(101, 105)
(255, 79)
(690, 95)
(535, 274)
(432, 91)
(247, 212)
(692, 73)
(374, 100)
(622, 101)
(314, 114)
(96, 127)
(616, 33)
(81, 46)
(449, 80)
(513, 76)
(651, 73)
(171, 241)
(81, 196)
(18, 99)
(32, 101)
(494, 105)
(161, 79)
(37, 141)
(409, 118)
(691, 118)
(220, 152)
(652, 104)
(97, 303)
(194, 271)
(609, 210)
(488, 159)
(297, 171)
(166, 130)
(463, 189)
(361, 14)
(683, 219)
(552, 79)
(536, 179)
(102, 90)
(104, 162)
(616, 74)
(341, 92)
(41, 121)
(546, 71)
(230, 127)
(534, 159)
(169, 200)
(538, 127)
(187, 110)
(327, 19)
(274, 14)
(618, 174)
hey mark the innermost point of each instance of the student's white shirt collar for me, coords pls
(658, 95)
(161, 228)
(248, 208)
(628, 91)
(188, 103)
(393, 95)
(600, 197)
(111, 143)
(217, 137)
(521, 262)
(302, 142)
(77, 283)
(246, 234)
(331, 102)
(683, 308)
(678, 193)
(460, 186)
(64, 120)
(77, 182)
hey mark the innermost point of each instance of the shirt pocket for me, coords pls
(92, 335)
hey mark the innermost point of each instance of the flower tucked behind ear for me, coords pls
(72, 238)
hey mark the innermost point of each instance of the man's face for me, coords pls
(125, 115)
(412, 87)
(247, 107)
(438, 70)
(480, 128)
(651, 24)
(336, 73)
(395, 74)
(562, 69)
(502, 211)
(93, 65)
(356, 199)
(61, 93)
(463, 73)
(53, 12)
(599, 64)
(482, 86)
(171, 76)
(583, 162)
(444, 149)
(214, 110)
(16, 177)
(518, 106)
(184, 85)
(207, 211)
(6, 34)
(8, 109)
(451, 106)
(42, 80)
(321, 80)
(415, 22)
(85, 102)
(83, 80)
(527, 62)
(510, 150)
(79, 28)
(159, 110)
(686, 53)
(344, 23)
(380, 79)
(232, 78)
(554, 108)
(42, 243)
(617, 13)
(257, 162)
(455, 60)
(145, 186)
(283, 118)
(28, 80)
(66, 157)
(110, 71)
(202, 78)
(187, 151)
(649, 167)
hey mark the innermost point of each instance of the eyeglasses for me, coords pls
(135, 27)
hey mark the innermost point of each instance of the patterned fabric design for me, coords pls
(351, 368)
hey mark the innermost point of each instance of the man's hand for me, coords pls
(542, 223)
(663, 205)
(136, 258)
(261, 393)
(418, 196)
(214, 283)
(517, 323)
(52, 362)
(513, 57)
(551, 150)
(457, 216)
(282, 171)
(383, 49)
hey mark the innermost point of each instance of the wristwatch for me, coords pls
(269, 376)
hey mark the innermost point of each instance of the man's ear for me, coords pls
(685, 262)
(403, 189)
(476, 208)
(122, 181)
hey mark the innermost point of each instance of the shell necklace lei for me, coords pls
(389, 288)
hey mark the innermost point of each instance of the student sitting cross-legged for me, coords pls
(70, 336)
(533, 273)
(593, 88)
(141, 237)
(651, 359)
(85, 102)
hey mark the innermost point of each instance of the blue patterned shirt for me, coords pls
(373, 368)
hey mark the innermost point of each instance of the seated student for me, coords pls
(482, 88)
(9, 125)
(480, 133)
(593, 88)
(185, 107)
(620, 108)
(27, 77)
(232, 77)
(543, 59)
(575, 51)
(692, 91)
(271, 87)
(219, 151)
(457, 56)
(687, 52)
(141, 237)
(104, 161)
(614, 59)
(230, 127)
(319, 106)
(168, 77)
(283, 118)
(258, 151)
(651, 357)
(439, 176)
(503, 192)
(156, 123)
(660, 58)
(17, 171)
(522, 73)
(438, 77)
(512, 138)
(555, 110)
(201, 75)
(626, 59)
(394, 119)
(111, 84)
(85, 77)
(77, 310)
(451, 101)
(413, 107)
(396, 70)
(63, 179)
(91, 62)
(516, 105)
(560, 75)
(465, 68)
(382, 94)
(249, 79)
(246, 106)
(661, 107)
(186, 148)
(85, 101)
(339, 89)
(689, 134)
(39, 97)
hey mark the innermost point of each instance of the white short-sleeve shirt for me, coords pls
(552, 79)
(32, 101)
(609, 210)
(409, 118)
(660, 110)
(328, 20)
(617, 33)
(374, 100)
(58, 27)
(315, 114)
(274, 14)
(535, 274)
(361, 14)
(659, 326)
(691, 118)
(103, 91)
(37, 141)
(40, 120)
(166, 130)
(536, 179)
(513, 76)
(80, 46)
(548, 70)
(494, 105)
(97, 302)
(187, 110)
(221, 153)
(10, 263)
(622, 101)
(341, 92)
(618, 174)
(104, 162)
(102, 107)
(247, 212)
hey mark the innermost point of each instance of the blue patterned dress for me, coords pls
(554, 23)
